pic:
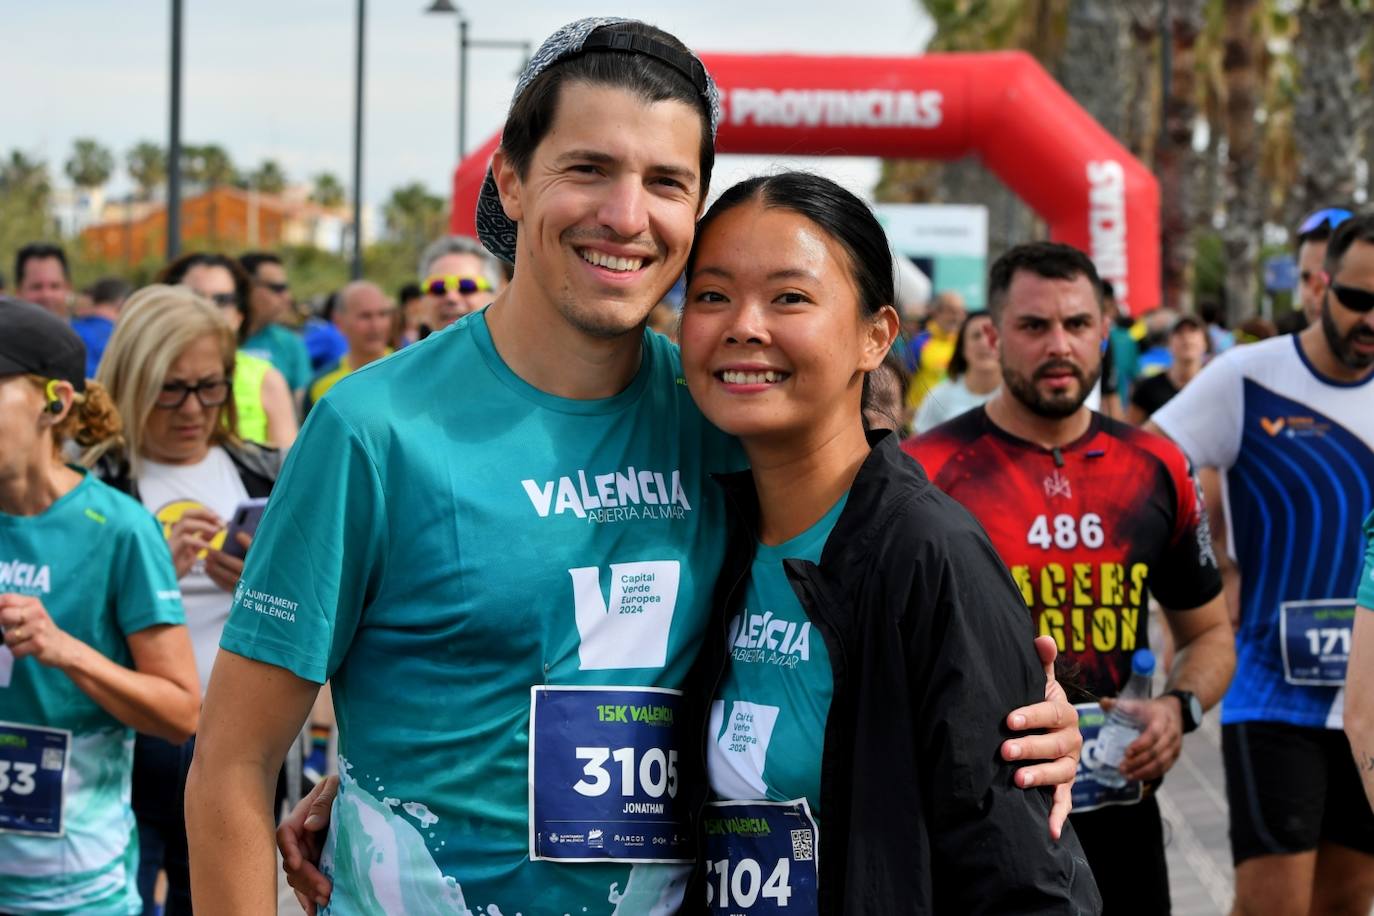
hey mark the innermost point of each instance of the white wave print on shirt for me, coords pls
(391, 870)
(631, 629)
(379, 861)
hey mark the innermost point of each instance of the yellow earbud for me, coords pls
(54, 400)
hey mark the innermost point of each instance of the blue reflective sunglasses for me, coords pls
(1331, 217)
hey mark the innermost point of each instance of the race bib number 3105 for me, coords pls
(604, 775)
(33, 769)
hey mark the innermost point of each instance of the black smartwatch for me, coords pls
(1192, 709)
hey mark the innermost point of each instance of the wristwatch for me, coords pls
(1192, 709)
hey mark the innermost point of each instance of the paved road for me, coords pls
(1193, 803)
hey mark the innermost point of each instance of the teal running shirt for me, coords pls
(68, 843)
(452, 546)
(1365, 595)
(767, 722)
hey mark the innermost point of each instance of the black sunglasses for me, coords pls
(225, 300)
(210, 393)
(277, 288)
(1354, 298)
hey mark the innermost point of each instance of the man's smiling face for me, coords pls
(607, 208)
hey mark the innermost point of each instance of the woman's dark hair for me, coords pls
(175, 272)
(958, 361)
(840, 215)
(532, 114)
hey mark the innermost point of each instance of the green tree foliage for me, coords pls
(147, 165)
(90, 164)
(268, 177)
(327, 191)
(25, 193)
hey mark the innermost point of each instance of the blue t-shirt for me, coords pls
(98, 562)
(94, 331)
(283, 349)
(767, 723)
(444, 538)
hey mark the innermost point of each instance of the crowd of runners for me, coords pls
(588, 618)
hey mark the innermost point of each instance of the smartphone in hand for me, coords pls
(246, 518)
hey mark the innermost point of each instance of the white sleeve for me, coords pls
(932, 412)
(1205, 419)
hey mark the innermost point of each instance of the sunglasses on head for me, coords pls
(1329, 218)
(448, 283)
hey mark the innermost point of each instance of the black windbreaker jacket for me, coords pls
(931, 648)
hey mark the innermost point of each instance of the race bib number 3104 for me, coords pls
(604, 775)
(33, 769)
(760, 858)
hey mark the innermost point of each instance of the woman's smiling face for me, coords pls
(774, 338)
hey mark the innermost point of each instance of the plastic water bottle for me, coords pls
(1121, 728)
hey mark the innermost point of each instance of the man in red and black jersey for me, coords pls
(1092, 517)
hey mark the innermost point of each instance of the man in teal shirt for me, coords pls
(500, 545)
(268, 306)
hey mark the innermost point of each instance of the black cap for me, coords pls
(1187, 320)
(36, 342)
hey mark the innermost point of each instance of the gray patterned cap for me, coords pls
(494, 227)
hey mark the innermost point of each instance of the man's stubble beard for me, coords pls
(1343, 347)
(1024, 390)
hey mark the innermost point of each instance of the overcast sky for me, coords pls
(274, 78)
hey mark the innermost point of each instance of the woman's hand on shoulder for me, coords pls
(1058, 747)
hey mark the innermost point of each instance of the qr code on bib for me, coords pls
(801, 845)
(52, 758)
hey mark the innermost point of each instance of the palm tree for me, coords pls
(268, 177)
(413, 215)
(1092, 67)
(20, 175)
(1176, 164)
(147, 165)
(327, 190)
(1331, 103)
(1242, 60)
(90, 165)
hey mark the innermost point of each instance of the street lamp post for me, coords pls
(356, 261)
(464, 43)
(174, 140)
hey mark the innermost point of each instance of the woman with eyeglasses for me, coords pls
(265, 409)
(94, 642)
(168, 367)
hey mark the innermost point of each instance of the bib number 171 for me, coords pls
(657, 771)
(741, 884)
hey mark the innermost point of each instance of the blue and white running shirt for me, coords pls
(1298, 452)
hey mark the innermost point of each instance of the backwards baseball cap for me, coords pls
(494, 227)
(34, 341)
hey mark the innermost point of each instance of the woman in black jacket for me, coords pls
(868, 639)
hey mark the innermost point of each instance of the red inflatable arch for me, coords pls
(1002, 106)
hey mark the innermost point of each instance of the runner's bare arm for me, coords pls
(1210, 481)
(159, 695)
(1359, 698)
(252, 713)
(1203, 665)
(281, 409)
